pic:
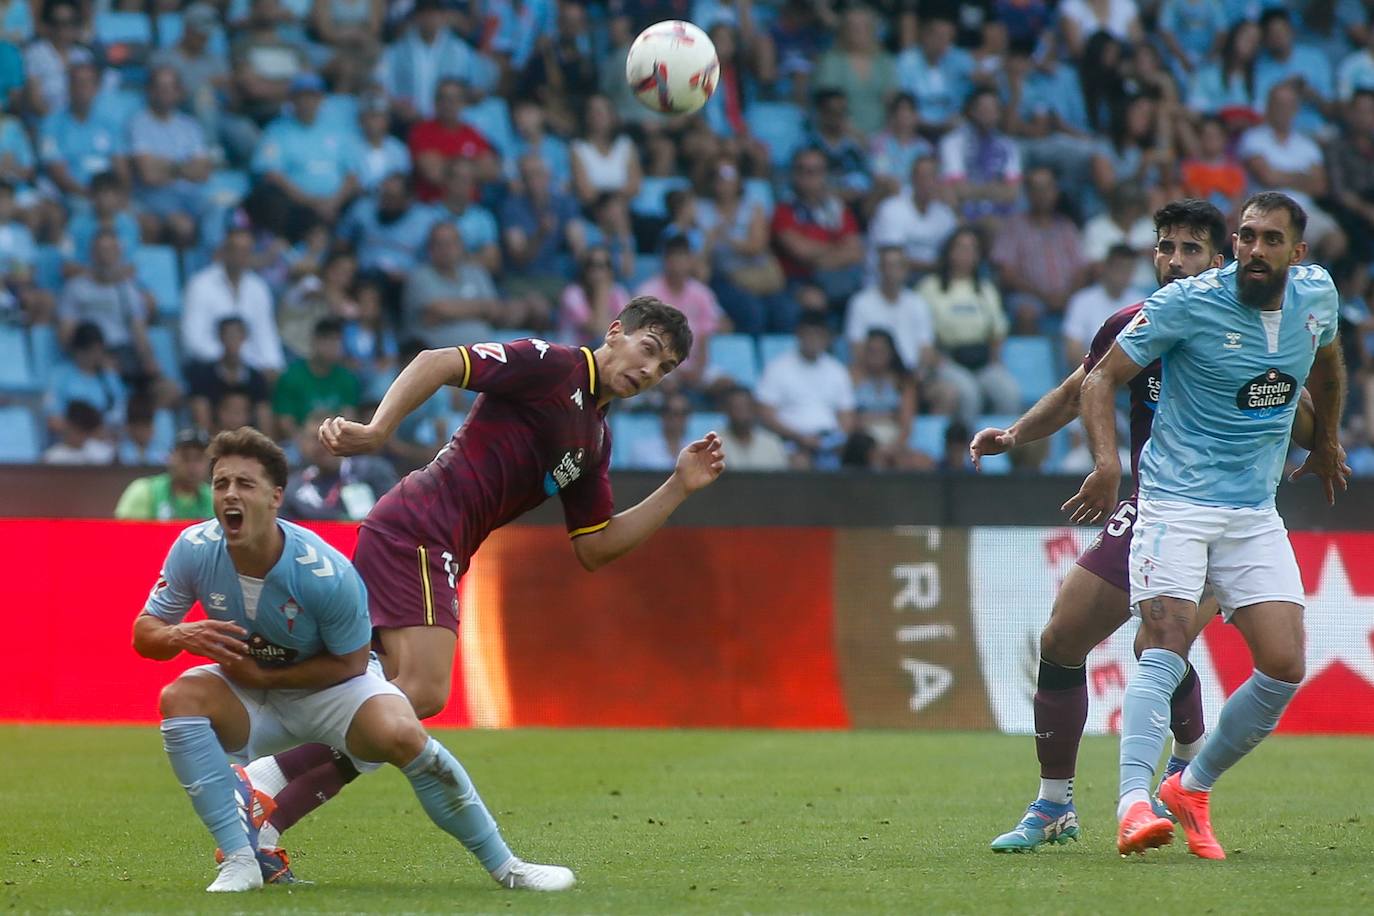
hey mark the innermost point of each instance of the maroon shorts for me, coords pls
(408, 584)
(1110, 554)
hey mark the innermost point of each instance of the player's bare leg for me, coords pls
(200, 718)
(419, 660)
(1274, 632)
(385, 729)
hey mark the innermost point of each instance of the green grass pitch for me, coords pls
(696, 822)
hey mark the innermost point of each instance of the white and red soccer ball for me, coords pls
(672, 67)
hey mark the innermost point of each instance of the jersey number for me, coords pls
(1122, 521)
(490, 351)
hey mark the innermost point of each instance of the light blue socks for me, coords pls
(202, 768)
(1248, 717)
(1145, 721)
(449, 798)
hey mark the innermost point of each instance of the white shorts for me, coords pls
(1177, 548)
(281, 719)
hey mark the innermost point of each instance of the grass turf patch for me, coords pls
(695, 822)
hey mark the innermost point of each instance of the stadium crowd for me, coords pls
(891, 222)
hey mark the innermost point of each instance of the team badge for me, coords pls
(290, 609)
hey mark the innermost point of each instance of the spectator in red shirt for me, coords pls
(817, 237)
(440, 140)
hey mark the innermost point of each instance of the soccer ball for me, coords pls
(672, 67)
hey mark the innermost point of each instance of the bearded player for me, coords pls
(1093, 601)
(537, 429)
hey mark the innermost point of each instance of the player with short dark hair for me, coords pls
(289, 636)
(1093, 601)
(538, 429)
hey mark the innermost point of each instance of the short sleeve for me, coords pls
(1159, 326)
(589, 503)
(174, 592)
(342, 617)
(520, 367)
(136, 502)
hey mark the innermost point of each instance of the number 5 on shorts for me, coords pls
(1120, 522)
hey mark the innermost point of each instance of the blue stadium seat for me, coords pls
(16, 368)
(626, 430)
(19, 436)
(226, 187)
(156, 268)
(1031, 360)
(702, 422)
(163, 340)
(164, 430)
(646, 266)
(46, 351)
(491, 117)
(121, 104)
(114, 28)
(47, 270)
(928, 434)
(734, 356)
(773, 345)
(780, 125)
(506, 335)
(652, 199)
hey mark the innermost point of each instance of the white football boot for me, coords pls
(530, 876)
(239, 872)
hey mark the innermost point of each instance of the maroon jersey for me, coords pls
(534, 431)
(1144, 387)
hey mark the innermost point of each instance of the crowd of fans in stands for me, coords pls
(903, 186)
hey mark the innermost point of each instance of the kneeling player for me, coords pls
(290, 636)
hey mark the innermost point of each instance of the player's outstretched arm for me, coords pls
(426, 374)
(1326, 382)
(698, 465)
(1097, 406)
(218, 640)
(1048, 416)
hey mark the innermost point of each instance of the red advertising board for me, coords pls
(701, 627)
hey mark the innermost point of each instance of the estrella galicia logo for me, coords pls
(1267, 394)
(1152, 386)
(269, 654)
(568, 469)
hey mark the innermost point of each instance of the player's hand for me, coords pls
(218, 640)
(1328, 465)
(247, 673)
(700, 463)
(347, 437)
(1095, 498)
(990, 441)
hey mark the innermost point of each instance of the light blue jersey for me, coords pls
(312, 601)
(1232, 376)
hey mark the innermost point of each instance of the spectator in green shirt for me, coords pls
(319, 382)
(182, 492)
